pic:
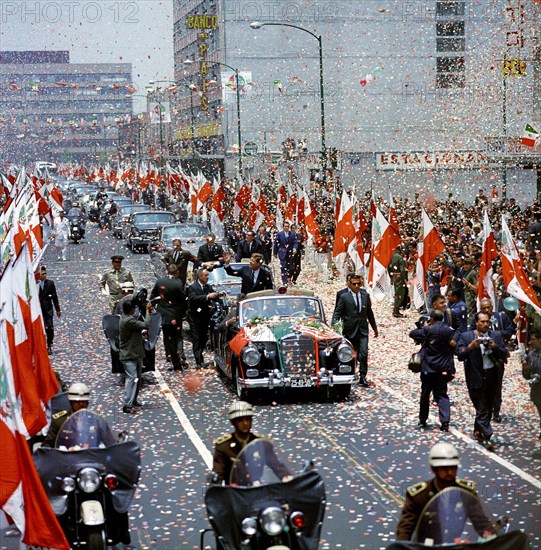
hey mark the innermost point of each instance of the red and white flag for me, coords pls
(310, 222)
(345, 231)
(429, 247)
(242, 200)
(258, 208)
(218, 200)
(385, 241)
(485, 287)
(514, 275)
(27, 384)
(291, 208)
(529, 136)
(355, 247)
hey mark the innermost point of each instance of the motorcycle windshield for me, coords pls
(122, 459)
(84, 429)
(227, 507)
(257, 464)
(453, 515)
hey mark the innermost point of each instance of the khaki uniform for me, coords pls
(226, 450)
(418, 496)
(56, 423)
(113, 279)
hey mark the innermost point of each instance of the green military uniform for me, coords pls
(56, 423)
(470, 294)
(226, 450)
(418, 496)
(399, 277)
(113, 278)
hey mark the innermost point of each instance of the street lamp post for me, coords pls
(239, 131)
(257, 25)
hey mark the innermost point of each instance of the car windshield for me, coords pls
(219, 275)
(301, 307)
(131, 208)
(153, 218)
(184, 232)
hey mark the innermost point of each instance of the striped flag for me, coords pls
(515, 279)
(485, 287)
(529, 136)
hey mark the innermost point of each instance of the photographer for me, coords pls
(200, 295)
(482, 351)
(531, 370)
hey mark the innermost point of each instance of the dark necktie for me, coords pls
(253, 279)
(175, 256)
(358, 302)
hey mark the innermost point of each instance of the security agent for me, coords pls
(228, 447)
(444, 461)
(78, 396)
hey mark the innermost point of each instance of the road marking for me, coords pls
(184, 420)
(496, 458)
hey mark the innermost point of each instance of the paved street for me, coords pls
(367, 448)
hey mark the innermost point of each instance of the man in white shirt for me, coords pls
(61, 231)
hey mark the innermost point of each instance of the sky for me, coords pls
(139, 32)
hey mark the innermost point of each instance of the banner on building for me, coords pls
(458, 160)
(159, 111)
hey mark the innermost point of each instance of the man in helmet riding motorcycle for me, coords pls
(78, 396)
(228, 447)
(444, 461)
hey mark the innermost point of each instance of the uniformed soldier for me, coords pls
(227, 447)
(444, 462)
(113, 278)
(78, 395)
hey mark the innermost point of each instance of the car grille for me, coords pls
(298, 355)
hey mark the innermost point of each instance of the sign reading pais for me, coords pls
(461, 160)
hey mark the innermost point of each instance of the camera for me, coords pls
(485, 340)
(534, 379)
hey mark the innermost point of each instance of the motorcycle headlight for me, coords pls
(251, 356)
(88, 480)
(344, 353)
(273, 520)
(68, 485)
(249, 527)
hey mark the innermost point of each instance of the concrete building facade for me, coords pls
(451, 81)
(55, 110)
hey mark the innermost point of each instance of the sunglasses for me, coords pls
(355, 284)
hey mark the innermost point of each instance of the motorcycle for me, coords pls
(77, 224)
(264, 507)
(454, 519)
(90, 480)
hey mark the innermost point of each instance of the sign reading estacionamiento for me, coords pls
(432, 160)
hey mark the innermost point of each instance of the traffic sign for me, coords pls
(250, 148)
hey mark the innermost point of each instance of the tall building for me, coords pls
(55, 110)
(428, 94)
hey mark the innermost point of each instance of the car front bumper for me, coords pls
(279, 381)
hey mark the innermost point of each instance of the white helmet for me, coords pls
(240, 409)
(78, 392)
(443, 454)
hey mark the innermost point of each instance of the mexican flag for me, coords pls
(529, 136)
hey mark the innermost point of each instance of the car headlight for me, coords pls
(89, 480)
(68, 485)
(249, 527)
(344, 353)
(273, 520)
(251, 356)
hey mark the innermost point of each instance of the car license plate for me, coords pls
(301, 382)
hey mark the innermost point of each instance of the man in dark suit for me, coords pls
(500, 322)
(179, 257)
(265, 239)
(47, 299)
(210, 252)
(235, 236)
(285, 247)
(200, 295)
(482, 350)
(354, 309)
(248, 246)
(172, 307)
(255, 275)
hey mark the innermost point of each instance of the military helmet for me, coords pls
(443, 454)
(240, 409)
(78, 392)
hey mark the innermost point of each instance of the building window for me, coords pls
(450, 64)
(450, 28)
(450, 80)
(450, 9)
(454, 44)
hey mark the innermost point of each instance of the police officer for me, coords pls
(228, 447)
(78, 396)
(444, 461)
